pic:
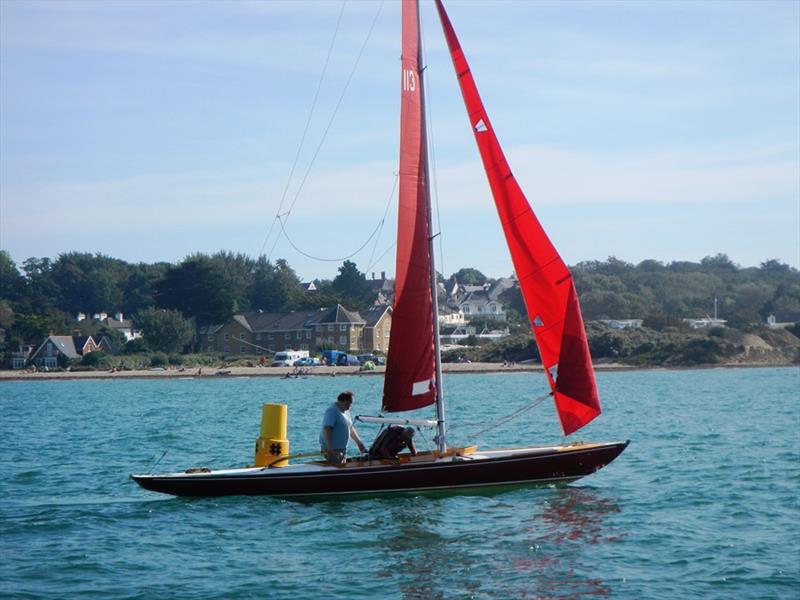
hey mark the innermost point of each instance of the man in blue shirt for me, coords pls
(337, 428)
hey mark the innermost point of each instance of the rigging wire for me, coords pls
(305, 130)
(375, 233)
(510, 417)
(283, 217)
(383, 220)
(377, 260)
(322, 258)
(432, 153)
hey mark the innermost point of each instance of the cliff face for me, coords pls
(768, 347)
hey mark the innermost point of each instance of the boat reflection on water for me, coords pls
(529, 543)
(563, 538)
(422, 556)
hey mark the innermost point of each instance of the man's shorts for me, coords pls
(335, 457)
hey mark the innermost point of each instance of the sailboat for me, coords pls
(413, 378)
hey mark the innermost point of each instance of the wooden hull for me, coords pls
(423, 474)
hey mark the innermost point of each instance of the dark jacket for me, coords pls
(390, 442)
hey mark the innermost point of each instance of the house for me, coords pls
(257, 332)
(479, 303)
(117, 323)
(382, 288)
(480, 300)
(339, 329)
(63, 348)
(457, 334)
(123, 326)
(375, 335)
(448, 316)
(453, 334)
(622, 323)
(783, 319)
(705, 323)
(19, 359)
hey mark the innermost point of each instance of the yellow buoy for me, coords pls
(272, 444)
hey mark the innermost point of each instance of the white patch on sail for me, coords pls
(480, 126)
(538, 321)
(420, 387)
(554, 372)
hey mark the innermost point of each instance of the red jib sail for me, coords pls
(547, 286)
(410, 381)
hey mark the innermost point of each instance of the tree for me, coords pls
(719, 262)
(605, 305)
(94, 359)
(91, 283)
(31, 328)
(352, 285)
(775, 266)
(607, 345)
(12, 283)
(197, 288)
(660, 322)
(239, 270)
(275, 287)
(6, 315)
(468, 276)
(163, 330)
(651, 265)
(140, 287)
(42, 291)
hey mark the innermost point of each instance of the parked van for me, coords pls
(347, 360)
(287, 358)
(331, 357)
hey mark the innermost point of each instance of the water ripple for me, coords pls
(704, 503)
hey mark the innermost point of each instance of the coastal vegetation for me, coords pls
(168, 301)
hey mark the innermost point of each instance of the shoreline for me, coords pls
(322, 371)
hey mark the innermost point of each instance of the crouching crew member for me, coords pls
(391, 441)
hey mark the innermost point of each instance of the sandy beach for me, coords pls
(321, 371)
(256, 371)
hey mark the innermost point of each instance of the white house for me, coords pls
(118, 323)
(786, 319)
(622, 323)
(705, 323)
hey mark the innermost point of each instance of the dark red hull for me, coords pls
(510, 468)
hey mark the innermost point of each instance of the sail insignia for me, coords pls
(537, 321)
(480, 126)
(421, 387)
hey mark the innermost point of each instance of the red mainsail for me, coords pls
(410, 369)
(547, 286)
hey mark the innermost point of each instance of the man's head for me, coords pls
(408, 433)
(345, 400)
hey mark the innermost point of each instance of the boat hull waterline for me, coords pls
(456, 473)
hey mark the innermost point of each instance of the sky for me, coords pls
(149, 131)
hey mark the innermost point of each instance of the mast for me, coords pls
(441, 437)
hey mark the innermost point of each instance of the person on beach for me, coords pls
(391, 441)
(337, 429)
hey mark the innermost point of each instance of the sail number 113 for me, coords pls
(409, 80)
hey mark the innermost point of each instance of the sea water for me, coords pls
(702, 504)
